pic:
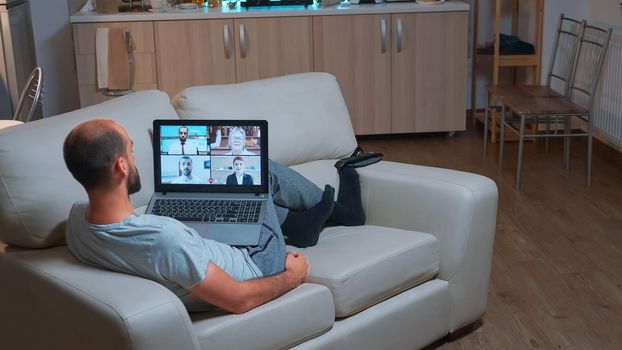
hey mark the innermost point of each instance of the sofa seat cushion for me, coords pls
(364, 265)
(302, 314)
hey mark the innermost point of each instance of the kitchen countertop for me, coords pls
(275, 11)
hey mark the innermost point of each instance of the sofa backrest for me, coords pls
(37, 190)
(307, 116)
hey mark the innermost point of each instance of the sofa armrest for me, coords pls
(49, 300)
(458, 208)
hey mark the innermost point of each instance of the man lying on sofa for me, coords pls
(107, 233)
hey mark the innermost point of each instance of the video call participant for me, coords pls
(239, 177)
(237, 143)
(106, 232)
(185, 168)
(183, 146)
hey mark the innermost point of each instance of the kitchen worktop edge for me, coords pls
(275, 11)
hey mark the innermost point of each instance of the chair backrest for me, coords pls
(588, 67)
(29, 99)
(565, 48)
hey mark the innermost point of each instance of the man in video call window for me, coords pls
(239, 177)
(183, 146)
(185, 167)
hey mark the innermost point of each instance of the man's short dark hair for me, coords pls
(89, 158)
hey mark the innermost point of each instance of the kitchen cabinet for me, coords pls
(428, 72)
(270, 47)
(356, 49)
(400, 70)
(398, 73)
(204, 52)
(199, 52)
(142, 71)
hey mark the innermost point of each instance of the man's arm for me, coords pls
(219, 289)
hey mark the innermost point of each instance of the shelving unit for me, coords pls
(499, 61)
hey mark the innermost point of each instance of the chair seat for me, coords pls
(522, 90)
(542, 106)
(364, 265)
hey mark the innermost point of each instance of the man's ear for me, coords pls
(121, 166)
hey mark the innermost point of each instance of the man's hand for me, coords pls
(297, 267)
(218, 288)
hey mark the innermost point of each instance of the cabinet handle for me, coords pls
(400, 35)
(243, 48)
(227, 41)
(383, 36)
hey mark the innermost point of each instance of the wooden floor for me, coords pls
(557, 264)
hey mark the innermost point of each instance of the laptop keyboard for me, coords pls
(209, 210)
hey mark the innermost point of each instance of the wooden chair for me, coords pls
(30, 96)
(560, 69)
(578, 102)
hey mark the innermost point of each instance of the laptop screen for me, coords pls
(210, 155)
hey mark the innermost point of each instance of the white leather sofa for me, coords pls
(418, 270)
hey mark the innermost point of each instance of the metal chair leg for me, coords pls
(589, 152)
(501, 137)
(567, 143)
(485, 129)
(521, 142)
(548, 131)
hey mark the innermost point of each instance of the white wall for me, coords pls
(54, 47)
(606, 11)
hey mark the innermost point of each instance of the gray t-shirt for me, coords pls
(158, 248)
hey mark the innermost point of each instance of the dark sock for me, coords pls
(303, 228)
(348, 209)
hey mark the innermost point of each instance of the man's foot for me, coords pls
(348, 209)
(303, 228)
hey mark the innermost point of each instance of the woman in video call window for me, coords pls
(238, 177)
(237, 143)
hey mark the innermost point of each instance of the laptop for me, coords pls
(212, 175)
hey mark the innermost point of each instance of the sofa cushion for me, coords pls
(37, 190)
(303, 313)
(307, 116)
(364, 265)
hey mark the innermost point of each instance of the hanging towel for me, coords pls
(101, 57)
(113, 68)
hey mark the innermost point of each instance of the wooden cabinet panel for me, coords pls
(397, 72)
(270, 47)
(428, 72)
(192, 53)
(84, 35)
(144, 67)
(142, 71)
(351, 48)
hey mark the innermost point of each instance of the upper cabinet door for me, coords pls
(428, 71)
(192, 53)
(357, 49)
(270, 47)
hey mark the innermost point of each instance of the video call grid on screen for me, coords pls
(192, 154)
